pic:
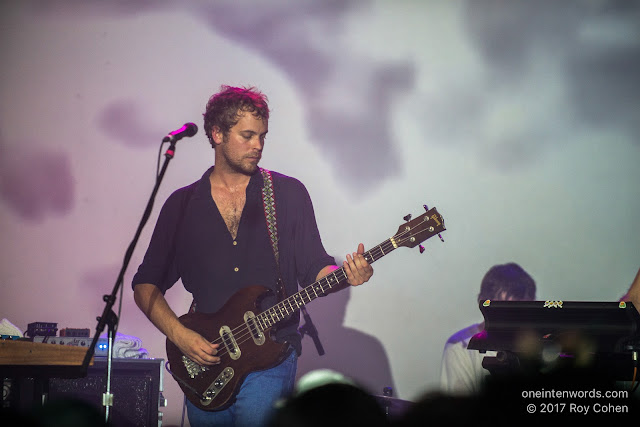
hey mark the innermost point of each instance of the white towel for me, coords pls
(8, 328)
(128, 347)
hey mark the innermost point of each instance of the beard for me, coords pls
(245, 165)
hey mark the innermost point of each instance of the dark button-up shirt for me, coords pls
(191, 242)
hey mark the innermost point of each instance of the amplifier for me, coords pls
(42, 329)
(74, 332)
(136, 385)
(101, 349)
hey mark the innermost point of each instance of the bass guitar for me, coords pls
(245, 334)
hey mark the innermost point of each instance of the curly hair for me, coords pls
(506, 281)
(225, 108)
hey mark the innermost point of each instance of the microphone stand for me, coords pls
(310, 329)
(108, 317)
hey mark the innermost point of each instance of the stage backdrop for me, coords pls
(518, 120)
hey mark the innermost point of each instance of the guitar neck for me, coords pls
(295, 302)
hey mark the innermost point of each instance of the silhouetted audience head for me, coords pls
(326, 398)
(56, 413)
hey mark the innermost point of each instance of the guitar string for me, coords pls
(245, 330)
(242, 333)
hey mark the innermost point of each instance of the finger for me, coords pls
(347, 270)
(210, 352)
(353, 276)
(360, 266)
(354, 261)
(361, 269)
(197, 357)
(360, 260)
(207, 359)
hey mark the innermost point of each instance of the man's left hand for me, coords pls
(357, 268)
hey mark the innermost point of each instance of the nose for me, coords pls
(257, 142)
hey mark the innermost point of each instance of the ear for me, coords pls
(217, 135)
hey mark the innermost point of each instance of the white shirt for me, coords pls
(462, 371)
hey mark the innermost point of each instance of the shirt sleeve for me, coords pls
(159, 266)
(311, 256)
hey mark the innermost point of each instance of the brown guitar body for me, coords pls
(252, 357)
(239, 326)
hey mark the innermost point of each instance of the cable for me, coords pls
(184, 407)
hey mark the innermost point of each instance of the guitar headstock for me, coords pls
(417, 230)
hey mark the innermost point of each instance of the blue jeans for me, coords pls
(254, 405)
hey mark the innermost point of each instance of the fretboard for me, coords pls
(290, 305)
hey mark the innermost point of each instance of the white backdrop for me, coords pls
(518, 121)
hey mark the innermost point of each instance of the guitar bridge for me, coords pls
(193, 368)
(218, 384)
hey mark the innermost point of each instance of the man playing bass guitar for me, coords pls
(239, 225)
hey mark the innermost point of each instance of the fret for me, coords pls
(326, 283)
(308, 297)
(405, 237)
(288, 300)
(334, 279)
(286, 310)
(298, 303)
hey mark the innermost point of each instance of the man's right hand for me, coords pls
(196, 347)
(193, 345)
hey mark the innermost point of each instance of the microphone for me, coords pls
(189, 129)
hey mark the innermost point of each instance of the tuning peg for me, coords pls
(426, 208)
(407, 217)
(440, 236)
(421, 248)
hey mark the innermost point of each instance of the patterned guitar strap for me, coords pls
(269, 205)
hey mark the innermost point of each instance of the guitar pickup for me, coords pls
(252, 324)
(230, 343)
